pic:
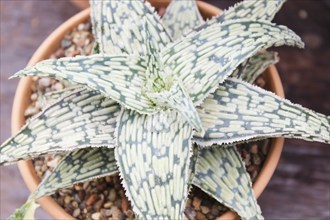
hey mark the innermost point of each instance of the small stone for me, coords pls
(78, 187)
(81, 195)
(188, 203)
(58, 86)
(256, 159)
(76, 213)
(91, 199)
(190, 213)
(130, 214)
(53, 163)
(98, 205)
(67, 199)
(108, 179)
(108, 205)
(254, 149)
(215, 211)
(200, 216)
(254, 175)
(303, 14)
(81, 27)
(116, 213)
(196, 203)
(264, 149)
(112, 195)
(65, 43)
(96, 216)
(124, 204)
(34, 96)
(75, 204)
(261, 82)
(85, 185)
(44, 82)
(251, 168)
(205, 209)
(30, 111)
(106, 212)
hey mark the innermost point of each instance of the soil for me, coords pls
(104, 198)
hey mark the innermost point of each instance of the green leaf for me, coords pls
(221, 173)
(153, 158)
(251, 9)
(253, 67)
(238, 111)
(120, 78)
(177, 98)
(204, 59)
(78, 166)
(119, 28)
(25, 212)
(181, 17)
(82, 119)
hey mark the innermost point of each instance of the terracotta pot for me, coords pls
(82, 4)
(22, 100)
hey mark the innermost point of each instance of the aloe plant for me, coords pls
(157, 105)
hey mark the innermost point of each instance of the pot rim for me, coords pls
(51, 44)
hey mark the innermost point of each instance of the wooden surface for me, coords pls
(300, 188)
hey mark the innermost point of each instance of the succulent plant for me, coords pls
(156, 104)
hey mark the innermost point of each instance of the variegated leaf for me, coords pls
(78, 166)
(119, 77)
(250, 69)
(51, 97)
(221, 173)
(177, 98)
(153, 158)
(82, 119)
(238, 111)
(204, 59)
(252, 9)
(181, 17)
(25, 212)
(119, 28)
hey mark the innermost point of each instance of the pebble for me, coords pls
(98, 205)
(256, 159)
(58, 86)
(78, 187)
(190, 213)
(112, 195)
(30, 111)
(116, 213)
(67, 199)
(129, 213)
(205, 209)
(200, 216)
(75, 204)
(265, 149)
(196, 203)
(91, 199)
(44, 82)
(124, 204)
(34, 96)
(106, 212)
(96, 215)
(76, 213)
(65, 43)
(108, 205)
(254, 149)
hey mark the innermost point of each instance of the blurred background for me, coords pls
(300, 187)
